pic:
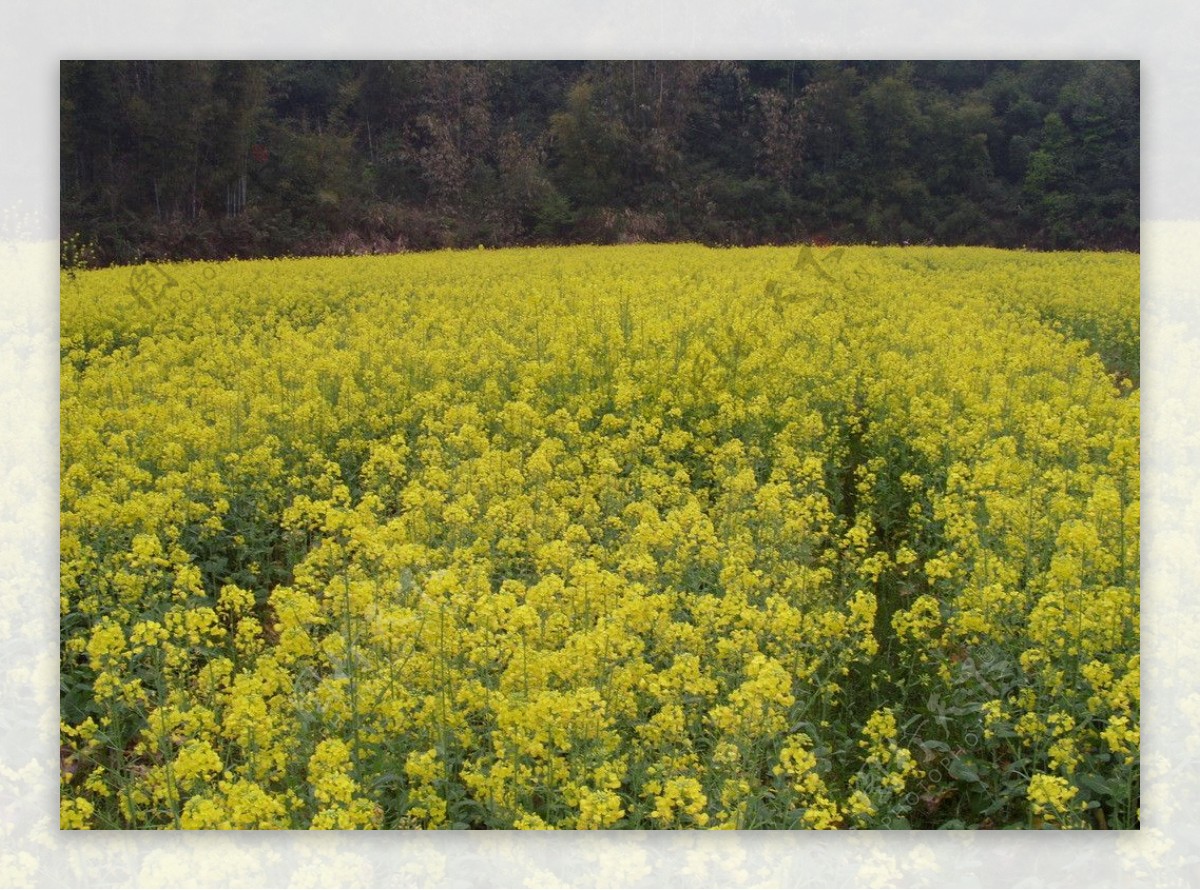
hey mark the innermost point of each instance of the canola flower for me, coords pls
(592, 538)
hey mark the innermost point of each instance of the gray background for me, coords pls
(1166, 852)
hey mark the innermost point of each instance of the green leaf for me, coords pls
(1097, 785)
(963, 770)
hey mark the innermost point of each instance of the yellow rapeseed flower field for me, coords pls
(627, 537)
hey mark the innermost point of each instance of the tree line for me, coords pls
(214, 159)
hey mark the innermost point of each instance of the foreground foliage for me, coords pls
(653, 537)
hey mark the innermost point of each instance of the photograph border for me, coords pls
(1165, 852)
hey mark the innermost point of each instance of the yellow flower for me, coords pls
(1053, 798)
(75, 812)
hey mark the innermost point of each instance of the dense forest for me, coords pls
(213, 159)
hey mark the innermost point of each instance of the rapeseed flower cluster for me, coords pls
(654, 537)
